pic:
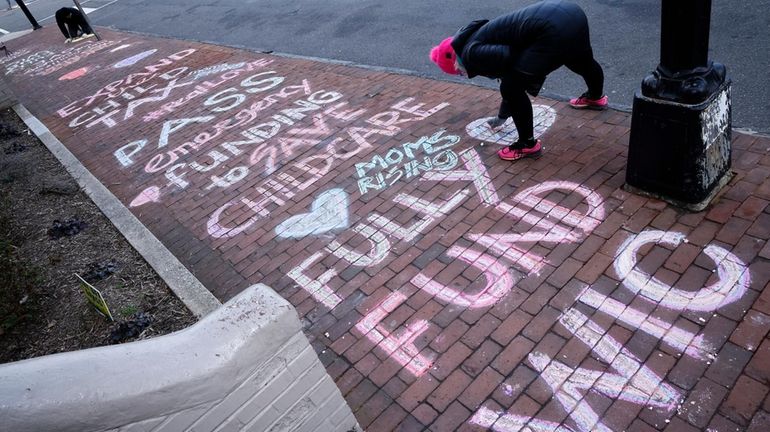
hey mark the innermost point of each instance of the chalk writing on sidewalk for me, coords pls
(127, 95)
(544, 117)
(407, 161)
(260, 143)
(136, 58)
(300, 173)
(628, 378)
(329, 212)
(77, 73)
(46, 62)
(632, 380)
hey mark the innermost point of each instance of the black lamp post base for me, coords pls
(689, 206)
(678, 152)
(689, 87)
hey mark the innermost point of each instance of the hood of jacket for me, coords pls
(533, 41)
(460, 42)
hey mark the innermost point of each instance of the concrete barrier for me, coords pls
(246, 366)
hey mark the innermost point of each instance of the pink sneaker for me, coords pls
(584, 101)
(518, 151)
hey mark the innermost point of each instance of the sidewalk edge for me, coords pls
(181, 281)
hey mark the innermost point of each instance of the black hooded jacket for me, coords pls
(71, 22)
(533, 42)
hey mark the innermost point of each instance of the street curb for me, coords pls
(184, 284)
(492, 85)
(14, 35)
(752, 132)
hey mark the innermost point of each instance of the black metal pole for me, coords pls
(680, 143)
(684, 75)
(31, 19)
(684, 36)
(85, 17)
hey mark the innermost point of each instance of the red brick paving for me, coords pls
(424, 315)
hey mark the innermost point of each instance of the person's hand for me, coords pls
(496, 123)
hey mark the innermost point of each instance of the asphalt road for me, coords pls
(399, 34)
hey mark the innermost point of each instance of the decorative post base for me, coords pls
(678, 152)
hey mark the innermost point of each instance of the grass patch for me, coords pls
(127, 311)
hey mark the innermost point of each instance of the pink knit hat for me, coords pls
(444, 56)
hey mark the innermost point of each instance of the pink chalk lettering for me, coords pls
(675, 337)
(401, 347)
(475, 172)
(548, 230)
(151, 194)
(430, 213)
(498, 278)
(217, 230)
(566, 384)
(505, 422)
(633, 382)
(317, 288)
(378, 252)
(731, 285)
(506, 245)
(610, 351)
(416, 109)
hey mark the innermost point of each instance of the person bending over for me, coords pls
(72, 24)
(521, 49)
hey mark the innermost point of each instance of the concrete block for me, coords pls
(339, 416)
(324, 391)
(263, 421)
(300, 388)
(183, 419)
(303, 362)
(259, 380)
(142, 426)
(283, 356)
(321, 420)
(219, 353)
(265, 397)
(289, 421)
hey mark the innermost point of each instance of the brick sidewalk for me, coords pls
(443, 289)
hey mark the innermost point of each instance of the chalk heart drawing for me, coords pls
(126, 62)
(151, 194)
(77, 73)
(329, 212)
(543, 118)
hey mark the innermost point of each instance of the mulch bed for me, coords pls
(49, 232)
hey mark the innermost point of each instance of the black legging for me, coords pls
(592, 74)
(516, 103)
